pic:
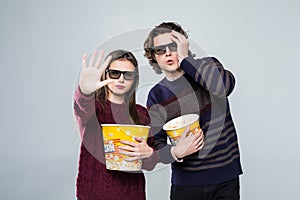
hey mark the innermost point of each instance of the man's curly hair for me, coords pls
(165, 27)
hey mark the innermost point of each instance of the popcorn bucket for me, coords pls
(112, 134)
(175, 127)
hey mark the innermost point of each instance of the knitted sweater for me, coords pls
(203, 90)
(94, 181)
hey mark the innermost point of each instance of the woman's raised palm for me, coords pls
(90, 74)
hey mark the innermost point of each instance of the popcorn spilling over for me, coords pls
(176, 123)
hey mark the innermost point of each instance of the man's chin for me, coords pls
(172, 68)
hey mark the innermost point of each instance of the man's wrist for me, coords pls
(174, 155)
(180, 59)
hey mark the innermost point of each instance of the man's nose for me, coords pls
(168, 51)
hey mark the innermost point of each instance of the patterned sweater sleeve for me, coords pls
(210, 74)
(84, 108)
(159, 137)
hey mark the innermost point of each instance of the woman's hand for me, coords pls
(90, 75)
(137, 150)
(188, 144)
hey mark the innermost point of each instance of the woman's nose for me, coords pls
(121, 78)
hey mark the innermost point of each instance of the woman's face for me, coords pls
(121, 85)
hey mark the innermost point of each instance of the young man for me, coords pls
(201, 86)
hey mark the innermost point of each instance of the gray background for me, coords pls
(41, 45)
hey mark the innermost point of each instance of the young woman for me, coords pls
(106, 94)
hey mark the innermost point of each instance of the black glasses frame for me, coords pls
(115, 74)
(162, 49)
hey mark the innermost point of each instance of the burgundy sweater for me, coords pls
(94, 181)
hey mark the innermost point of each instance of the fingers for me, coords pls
(200, 146)
(137, 150)
(182, 45)
(92, 58)
(189, 145)
(175, 39)
(98, 62)
(185, 132)
(105, 64)
(200, 131)
(92, 62)
(135, 155)
(178, 36)
(127, 148)
(132, 158)
(199, 141)
(199, 136)
(84, 60)
(100, 84)
(128, 143)
(139, 139)
(129, 151)
(141, 144)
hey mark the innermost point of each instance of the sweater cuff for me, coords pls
(86, 95)
(150, 163)
(187, 63)
(165, 155)
(80, 95)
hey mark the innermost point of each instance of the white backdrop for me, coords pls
(41, 45)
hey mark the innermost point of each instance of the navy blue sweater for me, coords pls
(203, 89)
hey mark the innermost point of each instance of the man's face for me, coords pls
(168, 59)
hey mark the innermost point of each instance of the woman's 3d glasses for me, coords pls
(115, 74)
